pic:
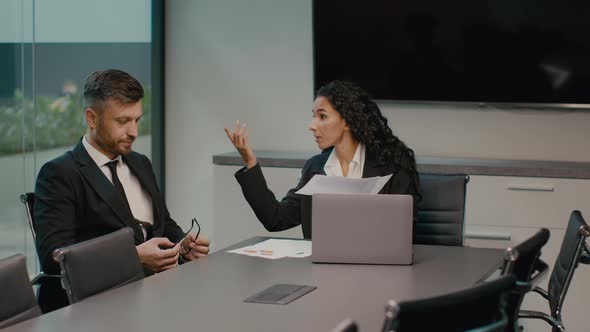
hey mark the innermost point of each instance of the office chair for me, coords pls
(441, 211)
(573, 250)
(479, 308)
(99, 264)
(17, 302)
(523, 262)
(28, 199)
(347, 325)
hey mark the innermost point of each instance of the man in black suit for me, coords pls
(102, 186)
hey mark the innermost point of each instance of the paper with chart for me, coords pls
(277, 248)
(337, 184)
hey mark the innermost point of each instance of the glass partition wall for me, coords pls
(47, 48)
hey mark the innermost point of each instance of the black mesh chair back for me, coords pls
(572, 247)
(573, 251)
(526, 262)
(479, 308)
(17, 302)
(441, 210)
(28, 199)
(99, 264)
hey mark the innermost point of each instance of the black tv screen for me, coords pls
(504, 51)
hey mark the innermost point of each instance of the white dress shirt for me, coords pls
(139, 200)
(355, 167)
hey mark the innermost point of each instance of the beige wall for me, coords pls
(252, 60)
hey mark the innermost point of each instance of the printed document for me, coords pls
(277, 248)
(337, 184)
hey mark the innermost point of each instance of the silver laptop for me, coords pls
(362, 228)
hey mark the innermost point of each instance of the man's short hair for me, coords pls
(114, 84)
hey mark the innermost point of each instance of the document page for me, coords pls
(322, 184)
(276, 248)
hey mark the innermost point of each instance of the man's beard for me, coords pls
(111, 146)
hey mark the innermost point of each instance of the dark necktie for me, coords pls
(112, 165)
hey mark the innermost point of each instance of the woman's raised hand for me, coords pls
(239, 138)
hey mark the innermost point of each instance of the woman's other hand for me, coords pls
(239, 138)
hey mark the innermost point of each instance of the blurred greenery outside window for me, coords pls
(59, 121)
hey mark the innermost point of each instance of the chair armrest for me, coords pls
(522, 287)
(541, 292)
(540, 315)
(539, 272)
(38, 278)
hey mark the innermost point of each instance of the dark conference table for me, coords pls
(207, 295)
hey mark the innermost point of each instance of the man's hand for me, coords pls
(158, 254)
(239, 138)
(195, 249)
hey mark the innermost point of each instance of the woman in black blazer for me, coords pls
(355, 141)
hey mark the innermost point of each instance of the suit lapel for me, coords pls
(317, 167)
(373, 168)
(145, 178)
(104, 188)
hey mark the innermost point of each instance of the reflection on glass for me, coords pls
(43, 63)
(59, 120)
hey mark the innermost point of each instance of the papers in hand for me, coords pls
(336, 184)
(276, 248)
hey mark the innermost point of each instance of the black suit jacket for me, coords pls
(294, 210)
(75, 201)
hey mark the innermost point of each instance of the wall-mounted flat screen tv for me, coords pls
(485, 51)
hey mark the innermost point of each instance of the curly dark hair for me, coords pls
(368, 125)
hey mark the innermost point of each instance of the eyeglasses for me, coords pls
(193, 223)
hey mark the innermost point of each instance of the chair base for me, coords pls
(556, 324)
